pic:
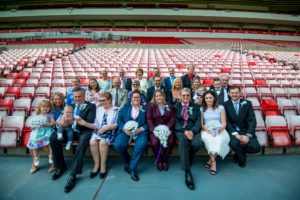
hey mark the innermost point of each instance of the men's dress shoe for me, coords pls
(242, 164)
(58, 173)
(134, 176)
(126, 167)
(159, 166)
(70, 183)
(165, 166)
(93, 174)
(235, 158)
(102, 175)
(189, 180)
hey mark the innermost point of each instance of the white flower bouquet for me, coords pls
(37, 121)
(213, 126)
(131, 126)
(162, 132)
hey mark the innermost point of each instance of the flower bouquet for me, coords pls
(37, 121)
(214, 127)
(131, 126)
(162, 132)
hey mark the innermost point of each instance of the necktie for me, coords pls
(172, 80)
(117, 99)
(123, 83)
(236, 108)
(77, 110)
(185, 115)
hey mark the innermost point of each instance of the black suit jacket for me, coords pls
(128, 84)
(245, 120)
(227, 89)
(151, 90)
(220, 96)
(186, 82)
(193, 122)
(87, 113)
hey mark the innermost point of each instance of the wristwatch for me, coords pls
(249, 135)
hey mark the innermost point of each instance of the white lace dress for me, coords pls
(220, 143)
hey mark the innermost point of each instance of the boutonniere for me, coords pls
(190, 110)
(84, 106)
(243, 103)
(141, 109)
(166, 107)
(115, 109)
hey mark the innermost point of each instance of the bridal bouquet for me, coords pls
(37, 121)
(213, 126)
(131, 126)
(162, 132)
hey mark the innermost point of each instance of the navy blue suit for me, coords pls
(122, 139)
(168, 83)
(151, 90)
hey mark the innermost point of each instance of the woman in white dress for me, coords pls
(214, 134)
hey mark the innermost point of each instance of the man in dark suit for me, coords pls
(170, 80)
(187, 131)
(126, 83)
(189, 77)
(156, 72)
(83, 112)
(217, 88)
(240, 125)
(158, 86)
(225, 85)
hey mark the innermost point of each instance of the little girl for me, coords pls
(42, 124)
(67, 121)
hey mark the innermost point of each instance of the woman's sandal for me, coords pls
(207, 165)
(213, 172)
(33, 169)
(36, 161)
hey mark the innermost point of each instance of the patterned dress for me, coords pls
(40, 136)
(107, 136)
(93, 98)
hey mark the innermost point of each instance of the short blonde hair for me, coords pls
(139, 70)
(69, 107)
(107, 96)
(162, 93)
(43, 103)
(173, 86)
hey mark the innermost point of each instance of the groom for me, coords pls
(86, 112)
(241, 124)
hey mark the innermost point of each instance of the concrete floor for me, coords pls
(265, 177)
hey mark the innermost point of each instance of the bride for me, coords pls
(214, 134)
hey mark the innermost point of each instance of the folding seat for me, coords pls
(35, 75)
(255, 103)
(12, 92)
(42, 91)
(20, 82)
(261, 129)
(293, 92)
(286, 106)
(32, 82)
(294, 127)
(24, 75)
(5, 107)
(35, 102)
(285, 83)
(69, 75)
(21, 107)
(273, 83)
(2, 91)
(10, 131)
(207, 82)
(248, 83)
(269, 107)
(12, 76)
(27, 92)
(236, 82)
(264, 92)
(296, 83)
(46, 75)
(278, 131)
(62, 90)
(260, 83)
(7, 82)
(58, 82)
(278, 92)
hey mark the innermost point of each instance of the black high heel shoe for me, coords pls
(102, 175)
(93, 174)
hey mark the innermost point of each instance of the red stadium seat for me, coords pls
(207, 82)
(278, 131)
(12, 91)
(20, 82)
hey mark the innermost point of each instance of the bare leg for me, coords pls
(103, 147)
(95, 153)
(213, 168)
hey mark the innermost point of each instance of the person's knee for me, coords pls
(93, 143)
(103, 143)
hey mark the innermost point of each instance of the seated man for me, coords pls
(83, 112)
(158, 86)
(156, 72)
(240, 125)
(119, 95)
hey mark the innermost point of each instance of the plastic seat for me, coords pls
(5, 107)
(278, 131)
(7, 82)
(261, 130)
(248, 83)
(35, 75)
(58, 82)
(2, 91)
(294, 127)
(207, 82)
(21, 107)
(20, 82)
(62, 90)
(278, 92)
(42, 91)
(35, 102)
(287, 106)
(293, 92)
(250, 92)
(13, 75)
(10, 131)
(44, 82)
(27, 92)
(32, 82)
(269, 106)
(264, 92)
(12, 92)
(255, 103)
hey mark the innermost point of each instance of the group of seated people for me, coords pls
(124, 110)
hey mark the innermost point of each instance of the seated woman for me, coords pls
(105, 125)
(160, 113)
(58, 102)
(136, 86)
(105, 83)
(176, 88)
(93, 93)
(214, 134)
(133, 111)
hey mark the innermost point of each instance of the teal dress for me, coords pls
(40, 136)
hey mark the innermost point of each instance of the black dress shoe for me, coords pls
(134, 176)
(58, 173)
(235, 158)
(102, 175)
(126, 167)
(189, 180)
(93, 174)
(242, 164)
(70, 183)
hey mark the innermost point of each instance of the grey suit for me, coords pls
(243, 123)
(122, 96)
(151, 83)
